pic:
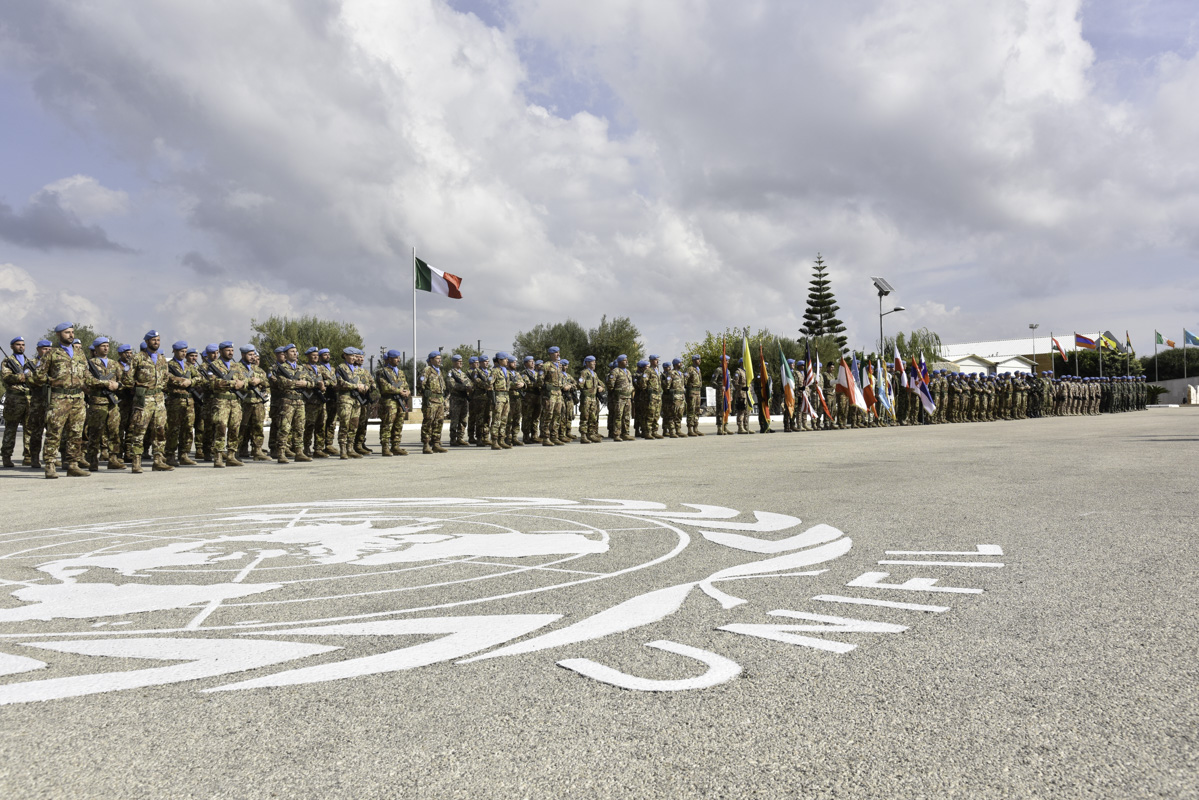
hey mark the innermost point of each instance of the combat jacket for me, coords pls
(432, 385)
(650, 382)
(620, 383)
(390, 382)
(551, 378)
(288, 376)
(255, 372)
(516, 384)
(352, 381)
(65, 373)
(220, 378)
(460, 383)
(109, 370)
(589, 384)
(177, 372)
(11, 369)
(498, 381)
(693, 380)
(149, 374)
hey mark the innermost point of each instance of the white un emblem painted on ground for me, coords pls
(280, 589)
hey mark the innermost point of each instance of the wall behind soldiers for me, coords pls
(1176, 388)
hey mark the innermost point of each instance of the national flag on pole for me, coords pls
(1108, 342)
(884, 387)
(725, 390)
(1159, 339)
(747, 362)
(921, 390)
(923, 370)
(900, 371)
(1127, 341)
(813, 367)
(788, 381)
(431, 279)
(1084, 342)
(848, 387)
(1061, 351)
(868, 387)
(1189, 338)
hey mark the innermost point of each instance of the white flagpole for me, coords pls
(414, 320)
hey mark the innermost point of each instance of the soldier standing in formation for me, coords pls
(103, 426)
(393, 401)
(432, 389)
(181, 406)
(16, 370)
(64, 371)
(460, 385)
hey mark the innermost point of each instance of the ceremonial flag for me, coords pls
(921, 390)
(868, 387)
(814, 366)
(1159, 339)
(1060, 350)
(1127, 340)
(1084, 342)
(725, 392)
(884, 387)
(431, 279)
(1189, 338)
(788, 381)
(747, 362)
(764, 383)
(923, 370)
(847, 386)
(1107, 341)
(900, 371)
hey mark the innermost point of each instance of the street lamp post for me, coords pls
(884, 289)
(1032, 326)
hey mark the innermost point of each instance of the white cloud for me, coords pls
(84, 195)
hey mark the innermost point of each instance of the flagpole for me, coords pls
(1184, 353)
(1052, 354)
(414, 318)
(1155, 356)
(1100, 349)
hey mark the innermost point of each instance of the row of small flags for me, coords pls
(1187, 338)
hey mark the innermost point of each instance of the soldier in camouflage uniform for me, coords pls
(147, 427)
(516, 390)
(459, 385)
(552, 410)
(15, 370)
(678, 398)
(694, 381)
(329, 375)
(253, 406)
(741, 397)
(497, 387)
(292, 381)
(639, 399)
(38, 398)
(64, 370)
(589, 388)
(531, 414)
(181, 407)
(432, 389)
(569, 400)
(314, 405)
(652, 385)
(719, 377)
(224, 379)
(351, 385)
(620, 399)
(479, 416)
(394, 397)
(199, 414)
(372, 400)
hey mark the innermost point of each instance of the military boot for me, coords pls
(506, 445)
(303, 458)
(8, 462)
(172, 460)
(232, 460)
(427, 450)
(437, 448)
(137, 464)
(585, 440)
(50, 473)
(282, 459)
(35, 461)
(343, 455)
(352, 452)
(160, 465)
(496, 446)
(259, 455)
(75, 471)
(672, 435)
(218, 460)
(398, 451)
(319, 452)
(516, 442)
(115, 463)
(93, 463)
(656, 435)
(596, 438)
(186, 460)
(387, 450)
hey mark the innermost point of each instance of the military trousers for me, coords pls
(619, 413)
(16, 412)
(588, 417)
(479, 419)
(677, 409)
(314, 426)
(181, 418)
(250, 432)
(348, 412)
(291, 425)
(530, 416)
(551, 415)
(433, 412)
(693, 404)
(391, 422)
(459, 417)
(515, 406)
(499, 418)
(36, 420)
(364, 418)
(64, 427)
(332, 411)
(148, 426)
(103, 429)
(225, 423)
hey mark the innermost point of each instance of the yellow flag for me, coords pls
(747, 362)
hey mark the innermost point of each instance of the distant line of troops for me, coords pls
(77, 409)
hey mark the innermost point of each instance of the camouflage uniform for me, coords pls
(718, 380)
(103, 426)
(16, 406)
(147, 427)
(35, 419)
(694, 381)
(531, 414)
(651, 385)
(589, 387)
(516, 390)
(620, 401)
(460, 385)
(181, 410)
(569, 398)
(332, 405)
(432, 389)
(64, 370)
(479, 417)
(741, 400)
(497, 381)
(390, 382)
(225, 409)
(674, 403)
(551, 403)
(250, 433)
(352, 383)
(288, 377)
(314, 410)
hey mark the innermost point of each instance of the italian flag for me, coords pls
(431, 279)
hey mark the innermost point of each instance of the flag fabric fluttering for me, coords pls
(1108, 342)
(726, 392)
(431, 279)
(921, 389)
(1060, 350)
(788, 381)
(900, 371)
(1159, 339)
(1189, 338)
(923, 370)
(747, 362)
(814, 381)
(1084, 342)
(1127, 341)
(847, 386)
(884, 389)
(764, 384)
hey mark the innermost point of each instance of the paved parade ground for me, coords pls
(979, 610)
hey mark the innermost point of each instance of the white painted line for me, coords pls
(862, 601)
(720, 670)
(945, 563)
(983, 550)
(872, 580)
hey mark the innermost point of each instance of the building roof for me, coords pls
(975, 358)
(1003, 348)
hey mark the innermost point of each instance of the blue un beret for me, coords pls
(677, 362)
(125, 348)
(143, 346)
(554, 350)
(179, 345)
(286, 347)
(566, 362)
(394, 354)
(149, 335)
(323, 350)
(226, 344)
(653, 358)
(43, 343)
(455, 357)
(483, 358)
(99, 340)
(529, 358)
(502, 354)
(190, 350)
(62, 326)
(622, 357)
(310, 351)
(643, 363)
(433, 354)
(212, 348)
(246, 348)
(347, 351)
(474, 359)
(282, 349)
(16, 339)
(588, 359)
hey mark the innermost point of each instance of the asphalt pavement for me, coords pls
(978, 610)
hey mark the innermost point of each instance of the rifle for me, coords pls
(109, 393)
(254, 389)
(12, 362)
(224, 376)
(192, 390)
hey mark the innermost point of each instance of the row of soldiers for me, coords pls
(93, 408)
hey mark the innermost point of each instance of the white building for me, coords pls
(1028, 354)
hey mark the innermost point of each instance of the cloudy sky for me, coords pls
(190, 166)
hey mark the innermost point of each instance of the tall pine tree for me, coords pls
(820, 319)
